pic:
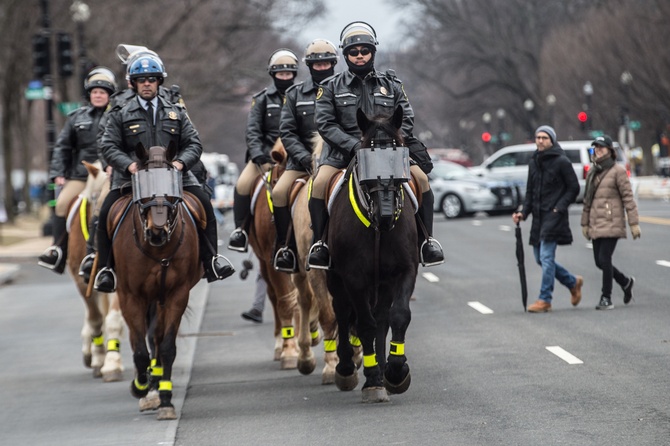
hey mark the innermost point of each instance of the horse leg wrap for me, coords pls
(98, 340)
(397, 348)
(370, 360)
(314, 334)
(287, 332)
(113, 345)
(354, 341)
(329, 345)
(165, 393)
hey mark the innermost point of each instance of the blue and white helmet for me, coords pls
(146, 65)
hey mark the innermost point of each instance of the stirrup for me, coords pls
(312, 250)
(97, 278)
(430, 241)
(294, 265)
(82, 272)
(213, 266)
(243, 248)
(59, 259)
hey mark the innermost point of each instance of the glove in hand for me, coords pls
(635, 231)
(585, 232)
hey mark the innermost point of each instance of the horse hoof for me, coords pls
(346, 383)
(289, 363)
(137, 393)
(327, 378)
(111, 377)
(166, 413)
(150, 402)
(87, 360)
(375, 395)
(398, 388)
(307, 366)
(277, 356)
(96, 372)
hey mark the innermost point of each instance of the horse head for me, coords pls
(95, 181)
(157, 192)
(382, 165)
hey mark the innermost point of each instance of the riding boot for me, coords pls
(430, 250)
(319, 256)
(284, 258)
(239, 241)
(54, 258)
(105, 280)
(86, 264)
(209, 256)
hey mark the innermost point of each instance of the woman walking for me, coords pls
(608, 193)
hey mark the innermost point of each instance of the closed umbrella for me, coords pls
(522, 266)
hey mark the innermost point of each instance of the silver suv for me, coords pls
(511, 163)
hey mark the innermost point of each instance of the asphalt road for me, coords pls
(478, 378)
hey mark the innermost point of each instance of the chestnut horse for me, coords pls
(157, 264)
(102, 319)
(373, 248)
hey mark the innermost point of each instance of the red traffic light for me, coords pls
(582, 116)
(486, 137)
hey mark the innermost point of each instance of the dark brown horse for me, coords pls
(157, 264)
(373, 247)
(103, 323)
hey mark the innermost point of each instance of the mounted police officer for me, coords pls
(151, 120)
(297, 129)
(262, 133)
(77, 142)
(374, 93)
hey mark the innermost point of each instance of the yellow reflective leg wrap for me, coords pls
(165, 386)
(139, 386)
(370, 360)
(113, 345)
(397, 348)
(354, 341)
(154, 361)
(98, 340)
(287, 332)
(314, 334)
(329, 345)
(156, 371)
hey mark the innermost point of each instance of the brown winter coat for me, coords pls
(605, 214)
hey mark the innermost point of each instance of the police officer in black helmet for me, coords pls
(337, 101)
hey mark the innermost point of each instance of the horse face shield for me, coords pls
(157, 192)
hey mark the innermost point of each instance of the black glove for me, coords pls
(261, 159)
(306, 163)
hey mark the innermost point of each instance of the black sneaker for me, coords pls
(285, 260)
(86, 266)
(253, 315)
(53, 259)
(105, 281)
(605, 304)
(319, 256)
(628, 290)
(238, 240)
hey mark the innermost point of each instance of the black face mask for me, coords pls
(283, 84)
(319, 76)
(361, 70)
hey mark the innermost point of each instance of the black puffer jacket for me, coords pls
(552, 186)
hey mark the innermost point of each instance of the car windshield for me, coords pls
(451, 171)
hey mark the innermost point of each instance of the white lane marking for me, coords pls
(476, 223)
(663, 263)
(430, 277)
(589, 245)
(483, 309)
(505, 228)
(565, 356)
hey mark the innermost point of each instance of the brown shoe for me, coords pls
(539, 306)
(576, 292)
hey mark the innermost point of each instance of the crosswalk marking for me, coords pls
(663, 263)
(483, 309)
(565, 356)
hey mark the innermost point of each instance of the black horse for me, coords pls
(373, 246)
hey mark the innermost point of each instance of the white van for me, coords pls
(511, 163)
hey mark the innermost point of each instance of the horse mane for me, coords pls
(278, 153)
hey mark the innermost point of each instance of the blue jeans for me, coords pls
(545, 256)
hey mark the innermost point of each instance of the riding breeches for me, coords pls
(70, 190)
(326, 171)
(283, 187)
(245, 182)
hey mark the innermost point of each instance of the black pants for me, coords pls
(603, 250)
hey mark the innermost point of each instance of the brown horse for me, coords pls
(102, 319)
(157, 264)
(280, 289)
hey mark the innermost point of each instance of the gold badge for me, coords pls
(319, 93)
(172, 115)
(384, 91)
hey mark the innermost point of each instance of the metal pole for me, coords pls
(48, 103)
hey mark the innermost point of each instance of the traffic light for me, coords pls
(583, 118)
(41, 56)
(64, 47)
(486, 137)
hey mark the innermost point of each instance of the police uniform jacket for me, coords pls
(76, 142)
(130, 125)
(552, 186)
(263, 124)
(298, 127)
(378, 93)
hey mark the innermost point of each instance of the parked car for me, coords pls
(458, 192)
(511, 163)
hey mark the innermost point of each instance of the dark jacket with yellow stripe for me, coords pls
(129, 125)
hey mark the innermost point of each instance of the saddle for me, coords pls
(269, 181)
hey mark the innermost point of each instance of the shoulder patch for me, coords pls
(319, 93)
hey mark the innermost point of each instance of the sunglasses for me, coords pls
(355, 51)
(143, 79)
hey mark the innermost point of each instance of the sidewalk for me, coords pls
(20, 242)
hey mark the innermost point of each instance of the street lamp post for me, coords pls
(80, 15)
(551, 103)
(588, 93)
(500, 114)
(529, 106)
(626, 137)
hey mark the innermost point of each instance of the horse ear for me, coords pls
(363, 121)
(397, 117)
(140, 152)
(171, 151)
